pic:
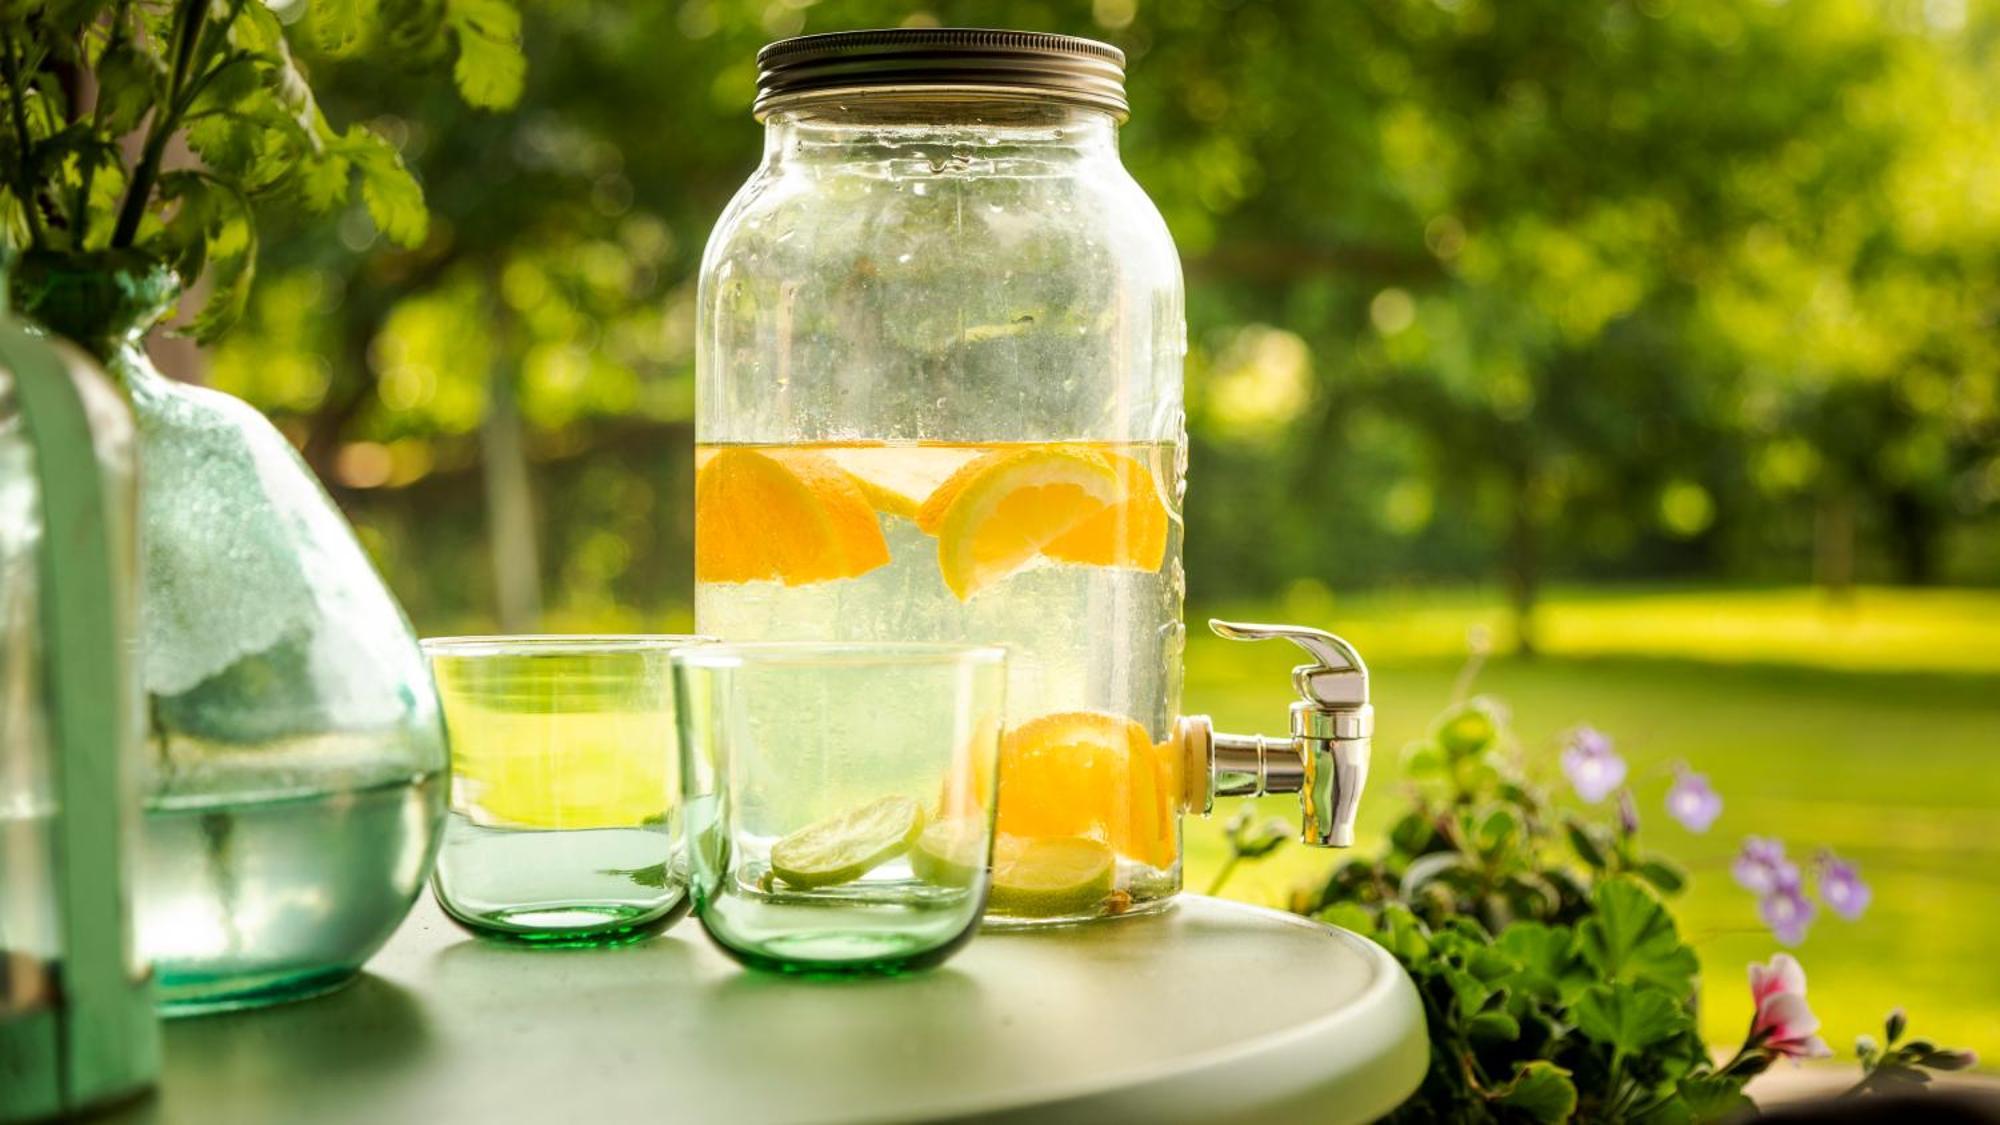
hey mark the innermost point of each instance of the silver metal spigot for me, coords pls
(1325, 761)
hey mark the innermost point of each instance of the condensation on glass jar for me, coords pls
(939, 399)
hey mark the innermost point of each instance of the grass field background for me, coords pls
(1871, 727)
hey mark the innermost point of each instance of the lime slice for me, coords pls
(1048, 877)
(950, 852)
(846, 847)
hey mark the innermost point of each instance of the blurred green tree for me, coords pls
(1644, 289)
(1540, 254)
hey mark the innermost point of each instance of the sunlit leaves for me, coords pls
(1630, 1020)
(1545, 959)
(490, 68)
(1541, 1090)
(394, 199)
(1631, 937)
(1709, 1098)
(323, 182)
(130, 81)
(211, 232)
(485, 35)
(339, 26)
(222, 78)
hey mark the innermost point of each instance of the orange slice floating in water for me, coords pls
(1131, 533)
(1088, 773)
(789, 516)
(994, 516)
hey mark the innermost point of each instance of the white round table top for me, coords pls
(1212, 1011)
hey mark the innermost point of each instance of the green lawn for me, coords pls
(1872, 728)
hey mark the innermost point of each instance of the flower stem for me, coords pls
(1734, 1060)
(188, 19)
(1461, 686)
(80, 210)
(1752, 1048)
(1222, 876)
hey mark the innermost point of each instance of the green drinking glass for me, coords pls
(839, 799)
(564, 820)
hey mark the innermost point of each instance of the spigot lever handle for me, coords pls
(1337, 678)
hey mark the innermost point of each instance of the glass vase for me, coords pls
(294, 786)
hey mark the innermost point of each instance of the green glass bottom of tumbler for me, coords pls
(803, 935)
(844, 955)
(569, 925)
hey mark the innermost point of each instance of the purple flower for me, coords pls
(1762, 869)
(1590, 740)
(1692, 802)
(1841, 888)
(1788, 912)
(1594, 769)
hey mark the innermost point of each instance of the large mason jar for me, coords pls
(939, 399)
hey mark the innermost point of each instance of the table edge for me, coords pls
(1187, 1090)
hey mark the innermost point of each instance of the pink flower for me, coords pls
(1784, 1025)
(1782, 973)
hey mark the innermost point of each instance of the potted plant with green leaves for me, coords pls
(296, 759)
(1556, 982)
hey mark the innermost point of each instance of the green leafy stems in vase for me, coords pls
(1555, 980)
(296, 784)
(220, 77)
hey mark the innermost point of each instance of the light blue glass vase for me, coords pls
(296, 762)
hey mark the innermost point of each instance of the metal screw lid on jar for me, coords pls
(956, 59)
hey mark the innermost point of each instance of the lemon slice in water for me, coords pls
(1050, 877)
(950, 852)
(845, 847)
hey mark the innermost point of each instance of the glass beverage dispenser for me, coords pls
(939, 399)
(76, 1022)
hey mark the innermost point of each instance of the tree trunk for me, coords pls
(1833, 543)
(510, 509)
(1524, 576)
(345, 399)
(1914, 542)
